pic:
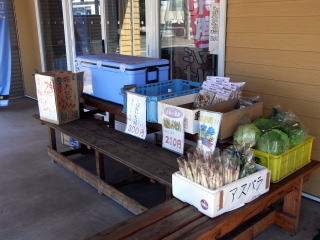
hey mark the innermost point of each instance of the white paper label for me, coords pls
(209, 125)
(172, 129)
(46, 97)
(136, 115)
(122, 67)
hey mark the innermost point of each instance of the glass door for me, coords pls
(87, 27)
(187, 29)
(126, 27)
(51, 34)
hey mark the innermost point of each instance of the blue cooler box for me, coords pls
(106, 74)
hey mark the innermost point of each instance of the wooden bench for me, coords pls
(174, 219)
(145, 158)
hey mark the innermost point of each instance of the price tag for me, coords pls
(209, 125)
(136, 115)
(172, 129)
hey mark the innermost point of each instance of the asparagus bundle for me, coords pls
(207, 170)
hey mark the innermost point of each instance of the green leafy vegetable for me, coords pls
(265, 124)
(274, 142)
(247, 135)
(295, 131)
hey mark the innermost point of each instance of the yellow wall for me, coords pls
(274, 45)
(28, 40)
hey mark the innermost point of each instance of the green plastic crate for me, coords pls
(284, 164)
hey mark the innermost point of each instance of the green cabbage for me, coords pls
(295, 131)
(265, 124)
(247, 135)
(274, 142)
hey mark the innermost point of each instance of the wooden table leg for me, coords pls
(99, 165)
(168, 193)
(111, 120)
(288, 219)
(52, 138)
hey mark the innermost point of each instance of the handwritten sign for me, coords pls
(240, 192)
(46, 97)
(172, 129)
(209, 125)
(136, 115)
(214, 26)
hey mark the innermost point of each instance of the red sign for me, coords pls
(200, 15)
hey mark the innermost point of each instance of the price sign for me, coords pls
(209, 124)
(172, 129)
(136, 115)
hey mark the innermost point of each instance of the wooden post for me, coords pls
(288, 218)
(52, 138)
(99, 165)
(111, 120)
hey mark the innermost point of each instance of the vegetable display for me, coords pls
(278, 132)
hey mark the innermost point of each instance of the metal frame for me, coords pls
(222, 38)
(69, 33)
(40, 36)
(153, 28)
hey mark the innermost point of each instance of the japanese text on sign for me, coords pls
(46, 97)
(136, 115)
(173, 130)
(209, 125)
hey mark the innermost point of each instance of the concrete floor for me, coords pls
(42, 200)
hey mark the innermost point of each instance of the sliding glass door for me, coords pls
(187, 29)
(87, 27)
(126, 27)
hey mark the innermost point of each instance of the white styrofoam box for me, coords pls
(227, 198)
(191, 124)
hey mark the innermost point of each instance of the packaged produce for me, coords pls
(247, 135)
(218, 169)
(274, 142)
(265, 124)
(216, 90)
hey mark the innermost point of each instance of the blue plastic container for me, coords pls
(106, 74)
(163, 90)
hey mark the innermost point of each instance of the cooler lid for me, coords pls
(118, 60)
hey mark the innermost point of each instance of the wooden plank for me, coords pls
(256, 228)
(278, 73)
(286, 222)
(278, 25)
(272, 57)
(278, 88)
(299, 107)
(99, 165)
(289, 42)
(168, 225)
(275, 8)
(102, 187)
(141, 221)
(149, 160)
(221, 225)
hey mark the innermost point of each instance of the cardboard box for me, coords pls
(231, 117)
(58, 96)
(227, 198)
